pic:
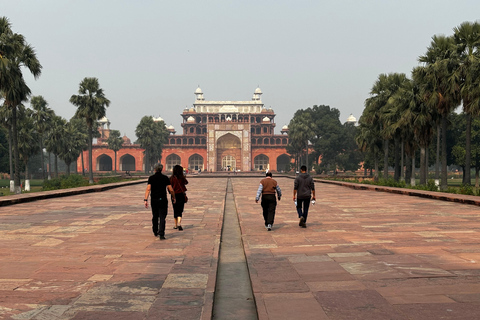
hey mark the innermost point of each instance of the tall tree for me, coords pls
(91, 104)
(467, 38)
(369, 142)
(151, 136)
(439, 86)
(350, 156)
(376, 108)
(6, 121)
(328, 137)
(3, 150)
(53, 141)
(115, 143)
(42, 116)
(16, 55)
(27, 141)
(71, 144)
(392, 115)
(300, 132)
(81, 127)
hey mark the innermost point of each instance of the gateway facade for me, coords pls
(227, 136)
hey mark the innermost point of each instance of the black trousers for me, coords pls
(269, 204)
(179, 205)
(159, 214)
(305, 203)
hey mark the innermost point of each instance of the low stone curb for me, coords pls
(474, 200)
(28, 197)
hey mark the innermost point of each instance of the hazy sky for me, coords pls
(150, 56)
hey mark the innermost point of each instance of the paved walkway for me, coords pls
(364, 255)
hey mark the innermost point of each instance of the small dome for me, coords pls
(157, 119)
(190, 119)
(351, 118)
(126, 140)
(104, 120)
(198, 90)
(192, 109)
(258, 91)
(170, 127)
(264, 110)
(285, 127)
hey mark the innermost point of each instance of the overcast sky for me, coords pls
(150, 55)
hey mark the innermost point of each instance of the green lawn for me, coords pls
(35, 186)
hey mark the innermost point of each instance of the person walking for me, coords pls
(178, 182)
(267, 188)
(303, 189)
(157, 185)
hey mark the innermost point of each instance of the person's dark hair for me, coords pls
(178, 172)
(303, 168)
(268, 174)
(158, 167)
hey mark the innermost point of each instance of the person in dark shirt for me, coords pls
(303, 189)
(157, 185)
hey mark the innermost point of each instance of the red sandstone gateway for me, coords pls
(217, 136)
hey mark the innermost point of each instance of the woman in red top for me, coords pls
(178, 182)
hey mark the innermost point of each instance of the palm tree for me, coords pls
(376, 108)
(115, 143)
(393, 113)
(27, 141)
(439, 86)
(6, 121)
(81, 129)
(467, 38)
(54, 139)
(16, 55)
(369, 141)
(91, 104)
(42, 116)
(71, 144)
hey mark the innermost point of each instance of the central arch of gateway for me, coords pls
(229, 154)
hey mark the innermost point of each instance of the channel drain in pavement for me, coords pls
(233, 290)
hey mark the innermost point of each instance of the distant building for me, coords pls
(217, 136)
(227, 136)
(129, 157)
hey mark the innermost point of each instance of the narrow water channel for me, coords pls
(233, 290)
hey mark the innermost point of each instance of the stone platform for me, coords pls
(364, 255)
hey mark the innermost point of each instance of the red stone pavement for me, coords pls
(363, 255)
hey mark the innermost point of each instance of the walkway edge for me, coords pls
(465, 199)
(28, 197)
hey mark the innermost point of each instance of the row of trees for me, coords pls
(39, 128)
(29, 131)
(410, 113)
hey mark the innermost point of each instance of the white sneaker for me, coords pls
(269, 227)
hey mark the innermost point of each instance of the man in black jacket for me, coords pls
(303, 189)
(158, 184)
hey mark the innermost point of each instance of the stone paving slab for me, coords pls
(363, 255)
(93, 256)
